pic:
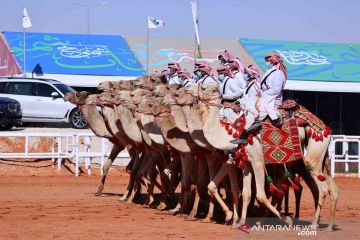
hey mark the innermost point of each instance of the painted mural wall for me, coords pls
(310, 61)
(75, 54)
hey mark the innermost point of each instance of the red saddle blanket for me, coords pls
(281, 145)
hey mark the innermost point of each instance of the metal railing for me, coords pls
(346, 156)
(75, 146)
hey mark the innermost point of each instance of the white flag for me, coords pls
(196, 20)
(155, 23)
(26, 19)
(194, 9)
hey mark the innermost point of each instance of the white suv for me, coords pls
(42, 100)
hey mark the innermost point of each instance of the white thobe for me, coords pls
(207, 80)
(272, 85)
(249, 102)
(174, 79)
(230, 92)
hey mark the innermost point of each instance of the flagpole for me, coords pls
(147, 49)
(24, 36)
(195, 48)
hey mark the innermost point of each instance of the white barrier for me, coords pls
(65, 146)
(345, 157)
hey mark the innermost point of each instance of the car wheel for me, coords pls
(77, 120)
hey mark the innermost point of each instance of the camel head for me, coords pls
(160, 90)
(158, 79)
(157, 105)
(92, 99)
(76, 98)
(183, 97)
(106, 98)
(145, 104)
(123, 85)
(137, 95)
(142, 82)
(105, 86)
(209, 91)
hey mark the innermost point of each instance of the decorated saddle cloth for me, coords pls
(317, 130)
(281, 145)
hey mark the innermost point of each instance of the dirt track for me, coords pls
(64, 207)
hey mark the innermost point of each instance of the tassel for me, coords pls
(280, 192)
(294, 186)
(230, 131)
(272, 188)
(314, 135)
(285, 187)
(297, 179)
(236, 135)
(309, 132)
(321, 178)
(250, 139)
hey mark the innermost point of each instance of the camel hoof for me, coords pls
(182, 215)
(315, 224)
(98, 194)
(99, 191)
(129, 201)
(329, 229)
(174, 211)
(161, 206)
(191, 218)
(206, 220)
(229, 216)
(288, 220)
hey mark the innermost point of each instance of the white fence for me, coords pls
(76, 146)
(348, 153)
(85, 147)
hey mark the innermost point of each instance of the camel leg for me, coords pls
(246, 192)
(258, 168)
(169, 170)
(135, 176)
(116, 149)
(187, 163)
(298, 194)
(224, 171)
(235, 193)
(136, 186)
(212, 167)
(200, 172)
(161, 163)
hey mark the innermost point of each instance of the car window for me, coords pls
(2, 87)
(44, 90)
(64, 88)
(19, 88)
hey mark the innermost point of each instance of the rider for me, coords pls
(185, 77)
(237, 69)
(173, 69)
(203, 74)
(271, 86)
(230, 92)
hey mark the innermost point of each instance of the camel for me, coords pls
(179, 140)
(184, 116)
(315, 157)
(126, 111)
(86, 104)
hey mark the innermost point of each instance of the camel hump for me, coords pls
(289, 104)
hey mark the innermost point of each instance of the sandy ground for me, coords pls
(61, 206)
